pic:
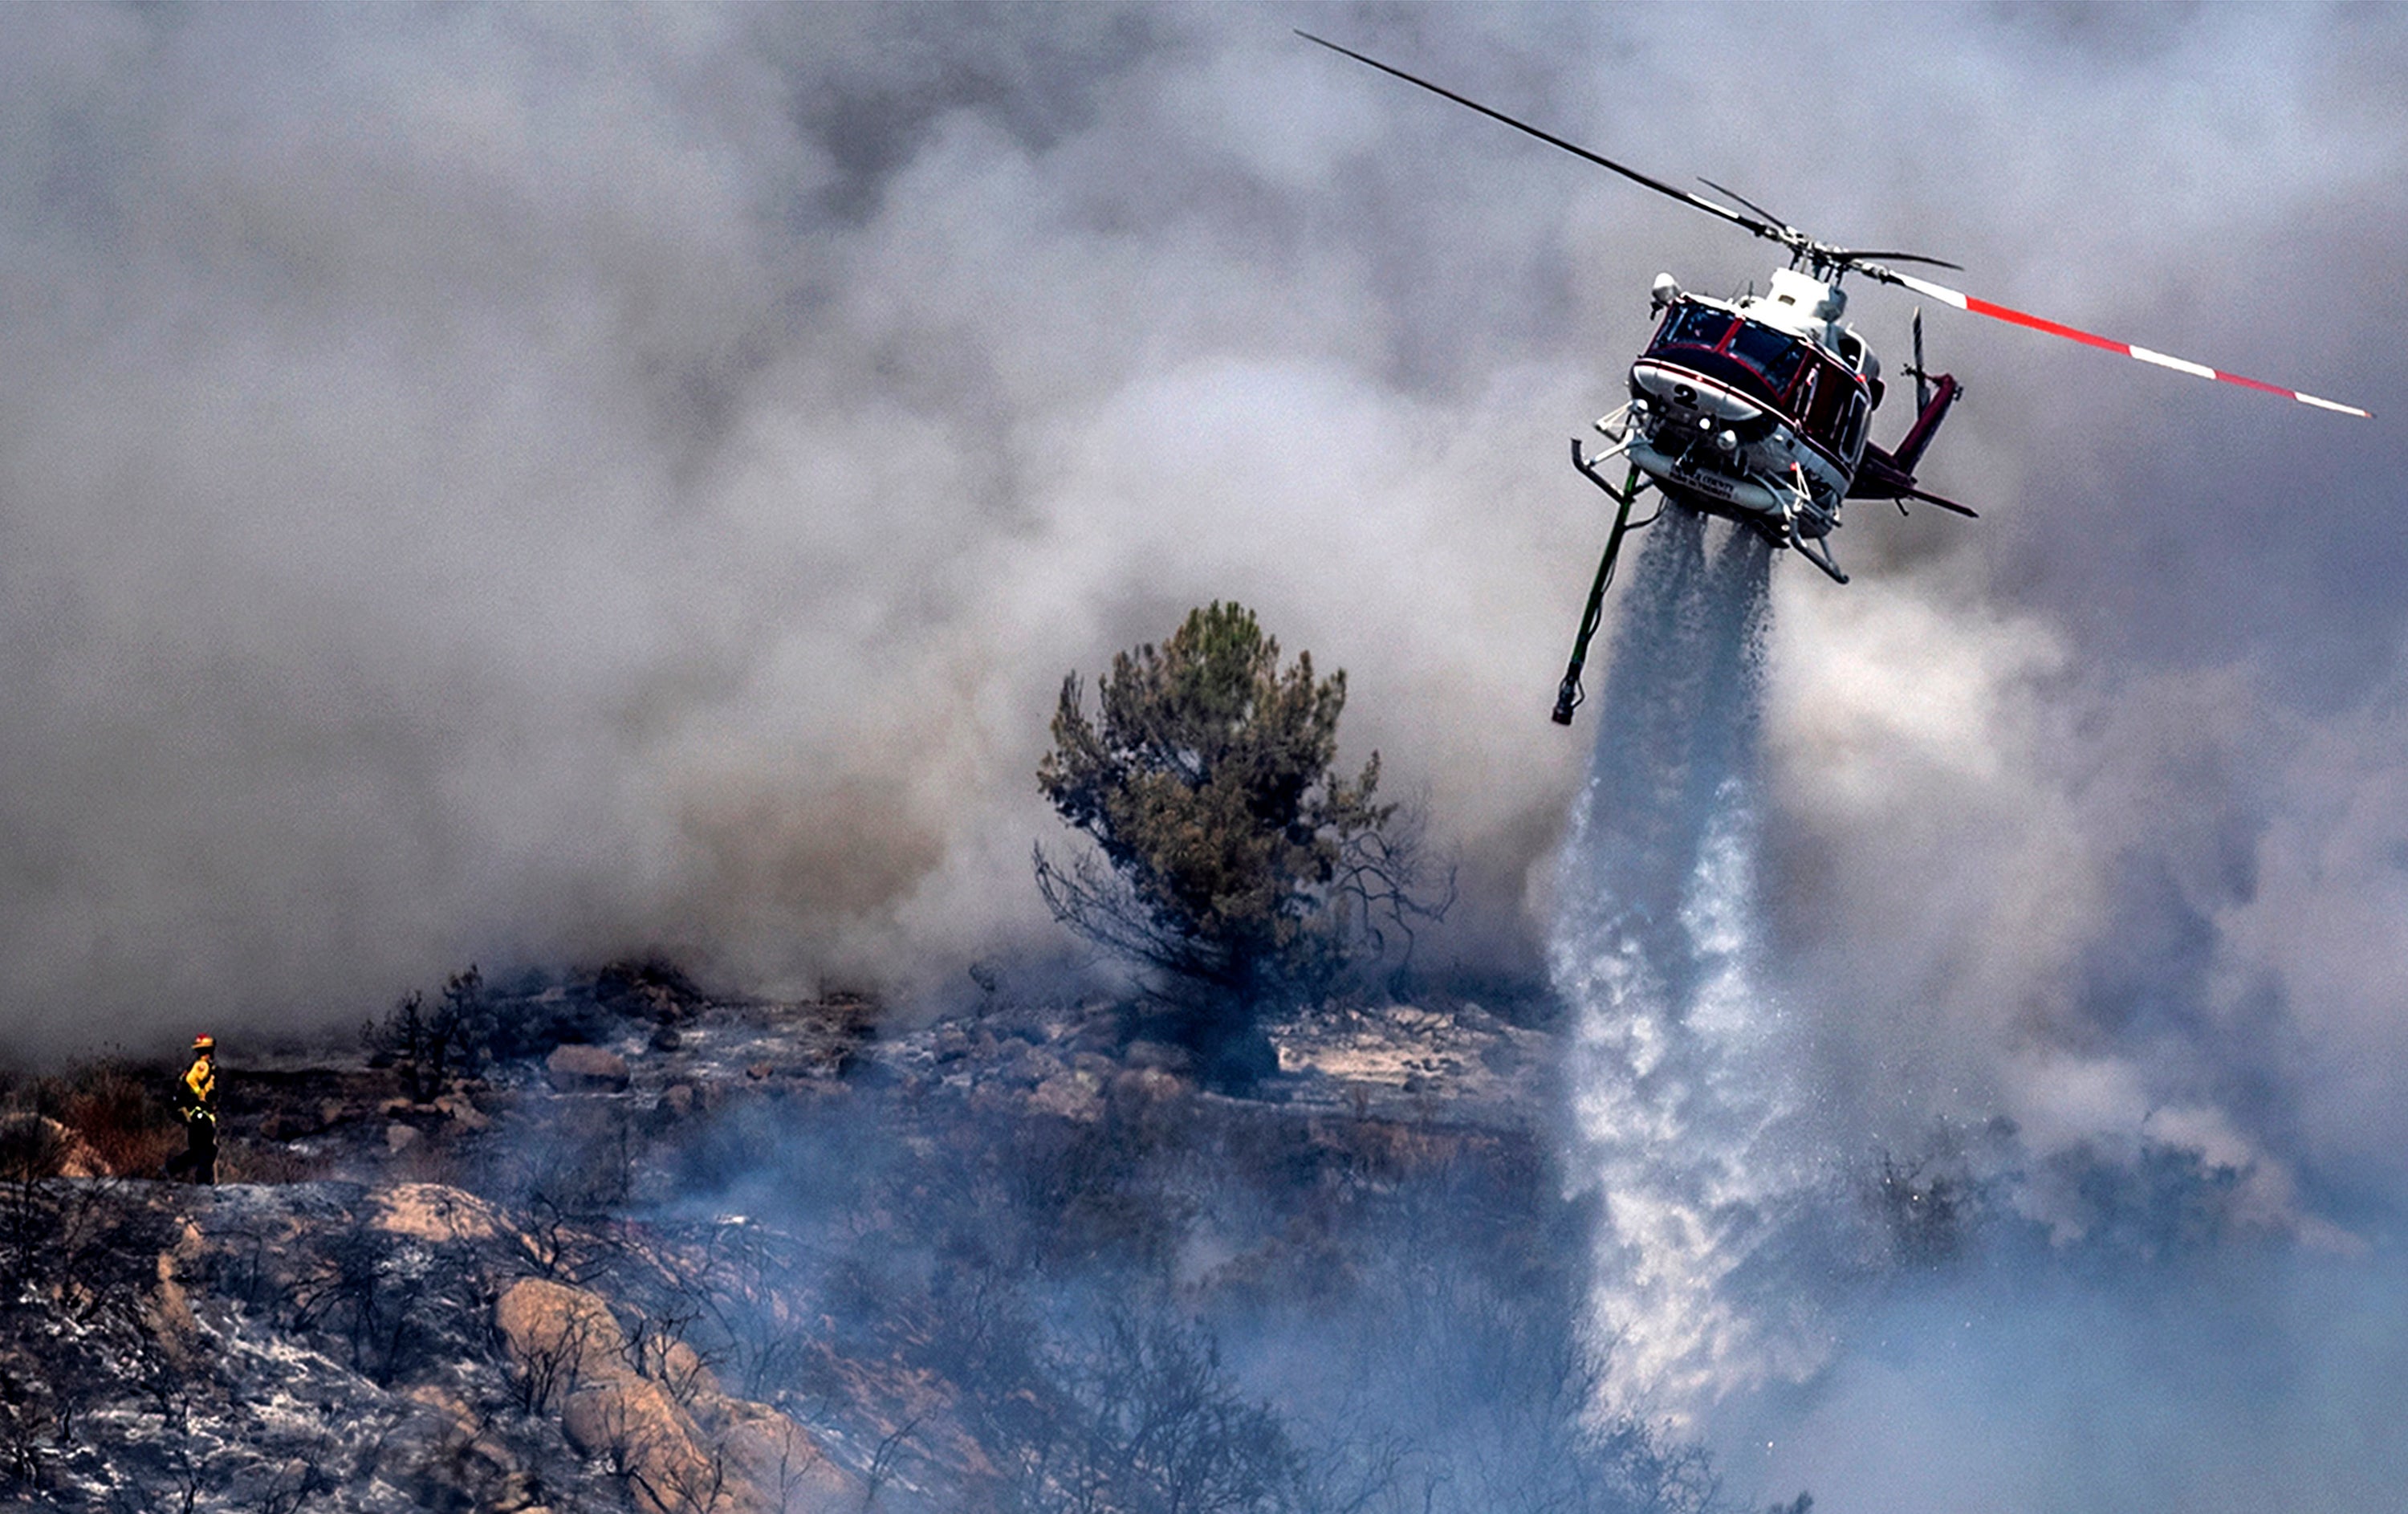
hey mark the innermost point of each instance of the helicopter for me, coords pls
(1757, 409)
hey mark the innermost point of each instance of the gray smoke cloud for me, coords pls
(488, 484)
(491, 484)
(531, 483)
(483, 482)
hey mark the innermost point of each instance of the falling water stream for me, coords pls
(1734, 1293)
(1686, 1109)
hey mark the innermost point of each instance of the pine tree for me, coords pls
(1235, 860)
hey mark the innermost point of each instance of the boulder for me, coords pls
(681, 1441)
(1158, 1055)
(1146, 1086)
(677, 1102)
(434, 1212)
(293, 1124)
(564, 1332)
(1033, 1067)
(634, 1423)
(1071, 1095)
(457, 1108)
(583, 1069)
(36, 1145)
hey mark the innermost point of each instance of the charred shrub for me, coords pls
(652, 987)
(427, 1044)
(26, 1417)
(1148, 1419)
(368, 1294)
(1925, 1207)
(32, 1147)
(2114, 1205)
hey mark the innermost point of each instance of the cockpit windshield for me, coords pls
(1775, 356)
(1771, 353)
(1788, 374)
(1695, 325)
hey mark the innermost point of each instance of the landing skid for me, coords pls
(1569, 695)
(1800, 509)
(1820, 558)
(1801, 502)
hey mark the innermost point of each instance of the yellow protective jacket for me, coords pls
(201, 1089)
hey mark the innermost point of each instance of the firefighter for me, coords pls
(196, 1095)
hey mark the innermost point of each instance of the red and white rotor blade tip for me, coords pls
(2000, 313)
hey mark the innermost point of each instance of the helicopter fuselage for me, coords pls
(1754, 410)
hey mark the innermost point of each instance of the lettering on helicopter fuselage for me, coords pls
(1712, 483)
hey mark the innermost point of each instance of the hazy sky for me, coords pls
(521, 485)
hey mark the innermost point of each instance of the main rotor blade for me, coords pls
(2055, 328)
(1773, 230)
(1726, 189)
(1836, 256)
(1854, 258)
(1767, 231)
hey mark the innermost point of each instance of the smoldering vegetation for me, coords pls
(1175, 1299)
(660, 1252)
(2237, 1359)
(652, 1250)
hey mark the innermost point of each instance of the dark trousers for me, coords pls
(199, 1158)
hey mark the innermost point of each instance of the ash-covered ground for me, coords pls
(670, 1252)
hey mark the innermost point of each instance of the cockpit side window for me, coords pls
(1852, 434)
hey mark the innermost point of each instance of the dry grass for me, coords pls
(261, 1162)
(120, 1108)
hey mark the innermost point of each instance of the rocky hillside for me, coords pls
(652, 1252)
(332, 1345)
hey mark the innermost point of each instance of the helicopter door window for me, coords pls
(1824, 406)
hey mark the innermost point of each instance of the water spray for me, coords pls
(1685, 1103)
